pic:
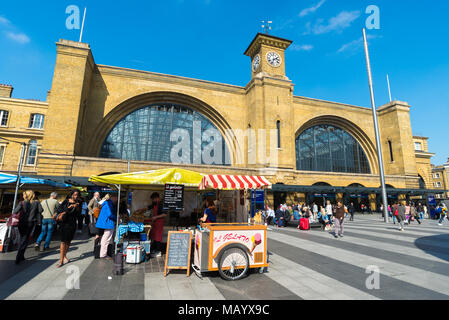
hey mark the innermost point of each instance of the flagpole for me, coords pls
(82, 26)
(389, 89)
(376, 128)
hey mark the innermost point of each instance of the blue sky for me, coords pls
(205, 39)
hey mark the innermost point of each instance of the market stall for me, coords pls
(231, 248)
(9, 235)
(142, 184)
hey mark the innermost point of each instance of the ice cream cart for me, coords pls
(230, 248)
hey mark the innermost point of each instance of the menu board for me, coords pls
(178, 251)
(174, 197)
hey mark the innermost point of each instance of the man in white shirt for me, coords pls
(315, 210)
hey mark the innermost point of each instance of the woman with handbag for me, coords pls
(29, 211)
(67, 216)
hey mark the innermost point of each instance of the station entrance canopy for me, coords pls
(352, 190)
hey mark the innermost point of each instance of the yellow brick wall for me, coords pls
(87, 100)
(18, 130)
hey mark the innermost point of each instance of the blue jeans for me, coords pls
(442, 218)
(48, 226)
(421, 215)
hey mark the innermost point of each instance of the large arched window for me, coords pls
(166, 133)
(330, 149)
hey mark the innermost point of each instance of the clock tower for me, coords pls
(270, 101)
(267, 55)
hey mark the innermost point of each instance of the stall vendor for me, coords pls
(210, 214)
(158, 223)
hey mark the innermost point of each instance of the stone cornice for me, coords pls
(268, 40)
(25, 102)
(311, 101)
(263, 79)
(160, 77)
(17, 133)
(393, 106)
(64, 46)
(423, 154)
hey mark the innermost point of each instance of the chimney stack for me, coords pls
(6, 90)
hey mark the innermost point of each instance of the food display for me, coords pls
(137, 216)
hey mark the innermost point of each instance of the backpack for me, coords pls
(96, 212)
(287, 216)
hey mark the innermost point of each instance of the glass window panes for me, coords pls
(37, 121)
(32, 153)
(4, 118)
(328, 148)
(418, 146)
(144, 135)
(2, 153)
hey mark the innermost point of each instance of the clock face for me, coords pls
(256, 63)
(274, 59)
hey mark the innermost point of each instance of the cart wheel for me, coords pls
(234, 264)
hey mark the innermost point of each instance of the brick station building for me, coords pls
(100, 118)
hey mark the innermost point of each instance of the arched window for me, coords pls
(32, 153)
(328, 148)
(422, 183)
(278, 127)
(390, 146)
(166, 133)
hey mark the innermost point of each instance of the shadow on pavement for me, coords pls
(425, 244)
(35, 263)
(29, 269)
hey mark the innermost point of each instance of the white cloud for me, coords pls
(18, 37)
(4, 21)
(304, 47)
(342, 21)
(10, 31)
(354, 46)
(312, 9)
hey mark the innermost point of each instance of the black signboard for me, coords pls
(174, 197)
(178, 251)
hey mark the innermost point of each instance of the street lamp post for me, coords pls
(19, 172)
(376, 129)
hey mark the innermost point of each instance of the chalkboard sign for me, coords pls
(174, 197)
(178, 251)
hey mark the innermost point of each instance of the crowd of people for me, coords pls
(331, 216)
(328, 216)
(100, 214)
(68, 217)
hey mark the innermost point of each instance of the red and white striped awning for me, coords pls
(228, 182)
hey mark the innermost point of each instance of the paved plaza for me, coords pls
(413, 264)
